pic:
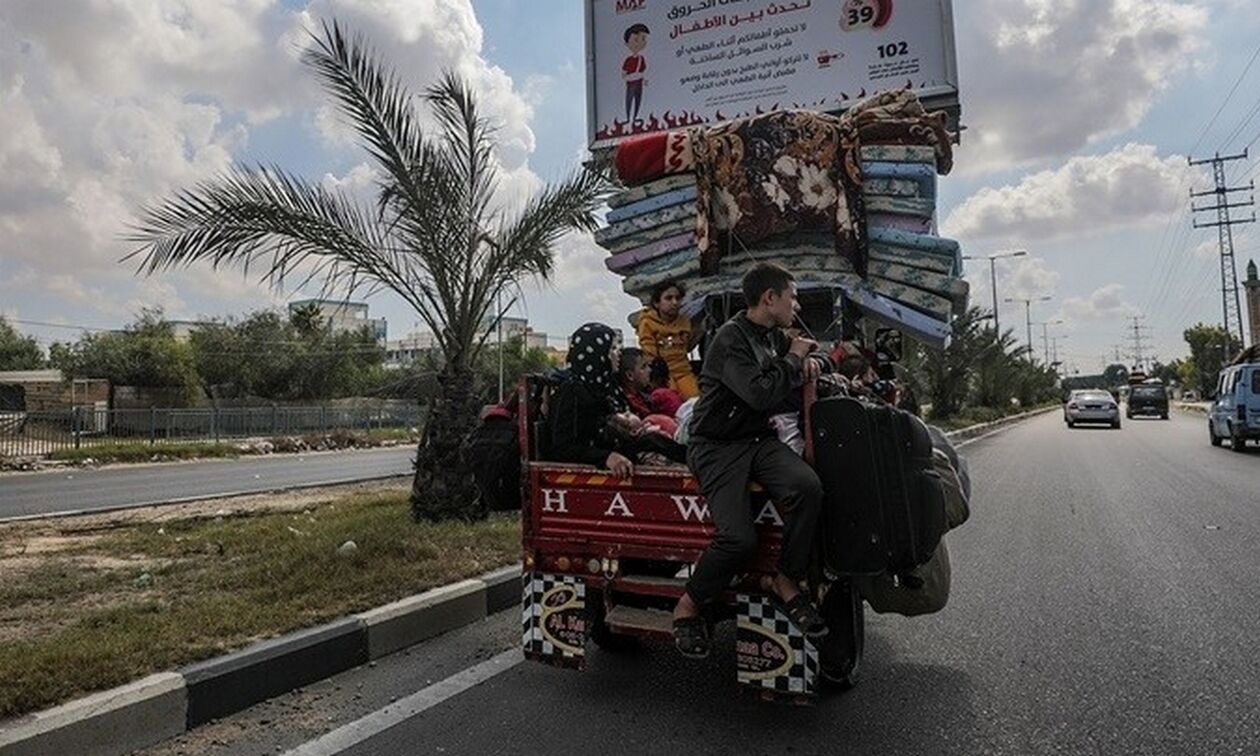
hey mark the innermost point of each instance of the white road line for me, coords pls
(349, 735)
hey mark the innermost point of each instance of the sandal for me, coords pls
(800, 610)
(691, 637)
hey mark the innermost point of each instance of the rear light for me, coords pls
(562, 564)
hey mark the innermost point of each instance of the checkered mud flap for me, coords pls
(774, 658)
(553, 619)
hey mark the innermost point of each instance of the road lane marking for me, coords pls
(349, 735)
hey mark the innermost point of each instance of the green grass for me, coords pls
(970, 416)
(143, 452)
(86, 619)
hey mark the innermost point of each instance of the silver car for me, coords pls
(1091, 406)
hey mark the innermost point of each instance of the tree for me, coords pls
(947, 373)
(1115, 375)
(1208, 346)
(144, 354)
(295, 359)
(18, 352)
(435, 236)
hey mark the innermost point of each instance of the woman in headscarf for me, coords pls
(589, 418)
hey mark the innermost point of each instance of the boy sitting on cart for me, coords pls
(750, 369)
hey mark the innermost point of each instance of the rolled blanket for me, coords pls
(647, 222)
(932, 332)
(895, 222)
(898, 153)
(914, 258)
(621, 244)
(953, 289)
(925, 242)
(924, 176)
(887, 187)
(652, 189)
(913, 206)
(685, 195)
(622, 261)
(644, 158)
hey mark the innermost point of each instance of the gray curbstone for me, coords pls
(404, 623)
(227, 684)
(503, 588)
(972, 431)
(112, 722)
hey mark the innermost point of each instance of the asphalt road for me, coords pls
(1104, 601)
(86, 489)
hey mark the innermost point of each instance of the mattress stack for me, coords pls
(913, 279)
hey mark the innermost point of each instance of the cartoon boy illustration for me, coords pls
(634, 67)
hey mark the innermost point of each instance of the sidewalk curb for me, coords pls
(118, 720)
(162, 706)
(971, 432)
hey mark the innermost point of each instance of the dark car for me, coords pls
(1148, 399)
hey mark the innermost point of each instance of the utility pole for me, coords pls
(1054, 346)
(499, 301)
(1118, 360)
(1045, 342)
(1028, 317)
(1231, 304)
(997, 327)
(1136, 338)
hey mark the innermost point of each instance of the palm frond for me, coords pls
(374, 101)
(265, 215)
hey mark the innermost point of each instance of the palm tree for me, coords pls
(435, 236)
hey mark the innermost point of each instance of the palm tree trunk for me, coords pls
(443, 487)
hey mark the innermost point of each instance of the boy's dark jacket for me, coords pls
(748, 374)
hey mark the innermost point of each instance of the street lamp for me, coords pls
(997, 328)
(1045, 342)
(1028, 314)
(1054, 345)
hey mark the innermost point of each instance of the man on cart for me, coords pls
(752, 368)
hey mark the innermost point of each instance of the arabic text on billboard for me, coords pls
(662, 64)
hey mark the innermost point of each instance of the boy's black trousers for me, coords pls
(724, 471)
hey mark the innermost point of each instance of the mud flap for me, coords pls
(774, 659)
(553, 619)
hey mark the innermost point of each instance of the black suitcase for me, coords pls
(884, 506)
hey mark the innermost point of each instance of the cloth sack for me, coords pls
(923, 590)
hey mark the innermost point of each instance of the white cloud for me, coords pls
(1128, 187)
(602, 306)
(1031, 279)
(107, 105)
(1105, 304)
(1046, 78)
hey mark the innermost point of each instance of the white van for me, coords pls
(1235, 413)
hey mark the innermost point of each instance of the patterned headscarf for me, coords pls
(589, 362)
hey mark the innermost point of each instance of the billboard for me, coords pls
(654, 65)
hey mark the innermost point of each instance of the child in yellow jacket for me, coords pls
(666, 333)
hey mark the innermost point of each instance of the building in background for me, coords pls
(50, 391)
(182, 329)
(342, 316)
(1252, 285)
(402, 352)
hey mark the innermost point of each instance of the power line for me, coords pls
(1225, 102)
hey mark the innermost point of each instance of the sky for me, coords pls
(1079, 119)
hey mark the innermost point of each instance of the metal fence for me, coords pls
(30, 434)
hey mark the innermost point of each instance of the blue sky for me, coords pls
(1079, 118)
